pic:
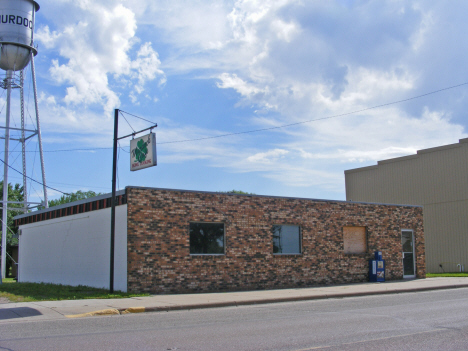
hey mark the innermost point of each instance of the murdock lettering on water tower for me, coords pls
(18, 20)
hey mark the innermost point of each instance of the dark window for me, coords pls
(207, 238)
(286, 239)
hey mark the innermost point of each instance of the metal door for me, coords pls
(407, 243)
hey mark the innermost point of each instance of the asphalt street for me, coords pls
(432, 320)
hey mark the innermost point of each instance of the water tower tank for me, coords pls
(16, 33)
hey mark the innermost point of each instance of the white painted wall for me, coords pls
(75, 250)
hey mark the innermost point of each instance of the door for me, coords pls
(407, 243)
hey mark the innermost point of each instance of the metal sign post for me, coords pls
(114, 177)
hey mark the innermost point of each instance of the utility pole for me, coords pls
(113, 200)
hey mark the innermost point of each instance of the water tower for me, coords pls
(17, 19)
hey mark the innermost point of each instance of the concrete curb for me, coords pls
(260, 301)
(295, 298)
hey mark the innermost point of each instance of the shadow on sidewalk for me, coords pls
(18, 312)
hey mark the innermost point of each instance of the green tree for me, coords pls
(14, 194)
(79, 195)
(237, 192)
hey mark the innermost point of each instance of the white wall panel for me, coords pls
(74, 250)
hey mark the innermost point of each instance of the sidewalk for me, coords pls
(54, 310)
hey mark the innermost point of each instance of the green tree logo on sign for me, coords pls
(141, 151)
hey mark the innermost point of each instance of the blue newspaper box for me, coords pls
(377, 268)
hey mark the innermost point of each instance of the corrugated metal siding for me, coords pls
(446, 236)
(435, 178)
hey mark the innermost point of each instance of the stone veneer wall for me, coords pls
(158, 241)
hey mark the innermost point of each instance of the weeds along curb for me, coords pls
(109, 311)
(106, 312)
(134, 310)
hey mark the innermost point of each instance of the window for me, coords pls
(354, 240)
(286, 239)
(206, 238)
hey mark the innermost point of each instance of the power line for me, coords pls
(81, 149)
(72, 185)
(317, 119)
(34, 179)
(270, 128)
(65, 150)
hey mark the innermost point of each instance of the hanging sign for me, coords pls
(143, 152)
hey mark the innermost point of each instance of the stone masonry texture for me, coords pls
(159, 259)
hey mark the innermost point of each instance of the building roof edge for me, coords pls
(269, 196)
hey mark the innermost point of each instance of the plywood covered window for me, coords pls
(355, 240)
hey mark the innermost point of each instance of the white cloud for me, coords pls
(96, 48)
(147, 67)
(268, 157)
(46, 37)
(234, 82)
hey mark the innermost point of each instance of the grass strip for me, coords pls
(29, 292)
(454, 274)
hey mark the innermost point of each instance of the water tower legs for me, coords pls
(44, 186)
(8, 85)
(5, 175)
(23, 142)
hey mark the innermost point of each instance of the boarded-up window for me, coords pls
(354, 239)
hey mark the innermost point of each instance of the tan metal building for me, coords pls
(436, 178)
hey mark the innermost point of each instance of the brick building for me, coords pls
(177, 241)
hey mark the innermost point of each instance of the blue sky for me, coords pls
(206, 68)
